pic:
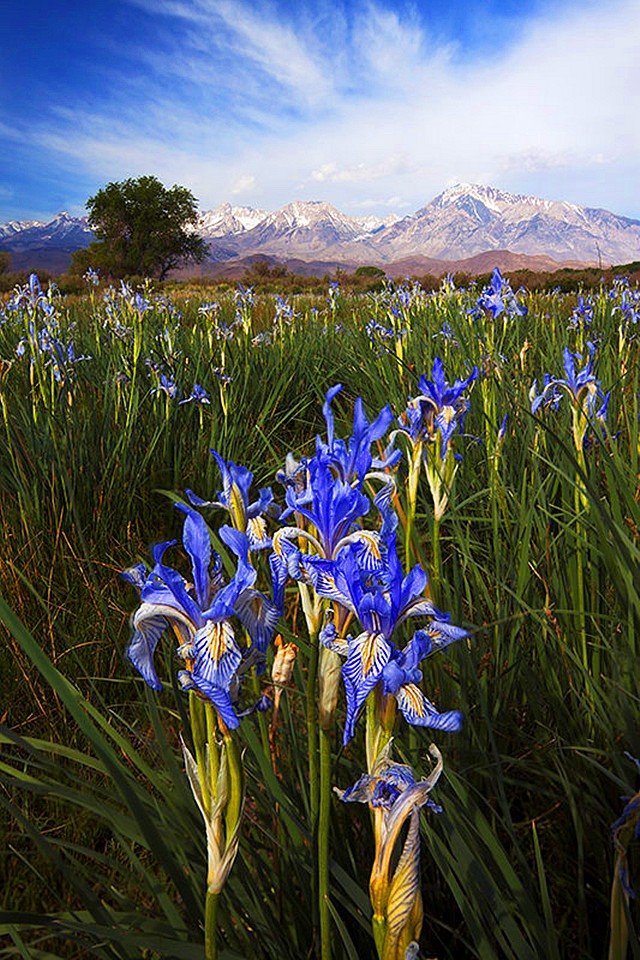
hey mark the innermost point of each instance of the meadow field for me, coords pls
(516, 490)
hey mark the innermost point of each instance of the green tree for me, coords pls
(5, 261)
(98, 256)
(144, 229)
(371, 272)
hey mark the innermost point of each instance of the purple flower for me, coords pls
(499, 298)
(198, 395)
(581, 385)
(370, 584)
(200, 614)
(166, 385)
(438, 410)
(245, 516)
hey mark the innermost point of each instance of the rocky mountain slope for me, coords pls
(37, 246)
(468, 219)
(463, 221)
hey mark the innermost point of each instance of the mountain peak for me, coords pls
(227, 219)
(492, 198)
(306, 212)
(464, 220)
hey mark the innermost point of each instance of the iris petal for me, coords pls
(327, 411)
(197, 543)
(140, 651)
(217, 654)
(368, 655)
(323, 576)
(420, 712)
(226, 598)
(149, 623)
(257, 533)
(404, 889)
(259, 615)
(221, 699)
(420, 607)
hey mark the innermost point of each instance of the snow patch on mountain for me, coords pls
(462, 221)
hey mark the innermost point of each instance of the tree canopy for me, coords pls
(142, 229)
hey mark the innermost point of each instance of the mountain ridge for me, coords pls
(463, 221)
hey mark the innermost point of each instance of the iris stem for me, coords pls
(312, 750)
(236, 784)
(379, 932)
(412, 496)
(436, 562)
(199, 738)
(580, 503)
(312, 731)
(212, 765)
(211, 926)
(377, 736)
(137, 349)
(323, 844)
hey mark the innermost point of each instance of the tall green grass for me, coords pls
(104, 855)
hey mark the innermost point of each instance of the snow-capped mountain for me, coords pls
(16, 226)
(226, 220)
(63, 231)
(467, 219)
(45, 246)
(305, 229)
(371, 224)
(462, 221)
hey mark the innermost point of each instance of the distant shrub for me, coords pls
(368, 271)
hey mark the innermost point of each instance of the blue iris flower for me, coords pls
(548, 396)
(234, 498)
(375, 590)
(499, 298)
(439, 409)
(328, 502)
(166, 384)
(200, 614)
(198, 395)
(352, 459)
(326, 490)
(396, 798)
(44, 343)
(325, 503)
(576, 381)
(582, 315)
(332, 509)
(284, 311)
(385, 786)
(33, 298)
(580, 384)
(629, 305)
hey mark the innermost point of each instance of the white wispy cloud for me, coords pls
(360, 106)
(274, 47)
(244, 184)
(361, 172)
(254, 38)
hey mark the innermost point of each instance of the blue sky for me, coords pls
(372, 105)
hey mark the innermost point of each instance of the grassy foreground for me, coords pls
(537, 555)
